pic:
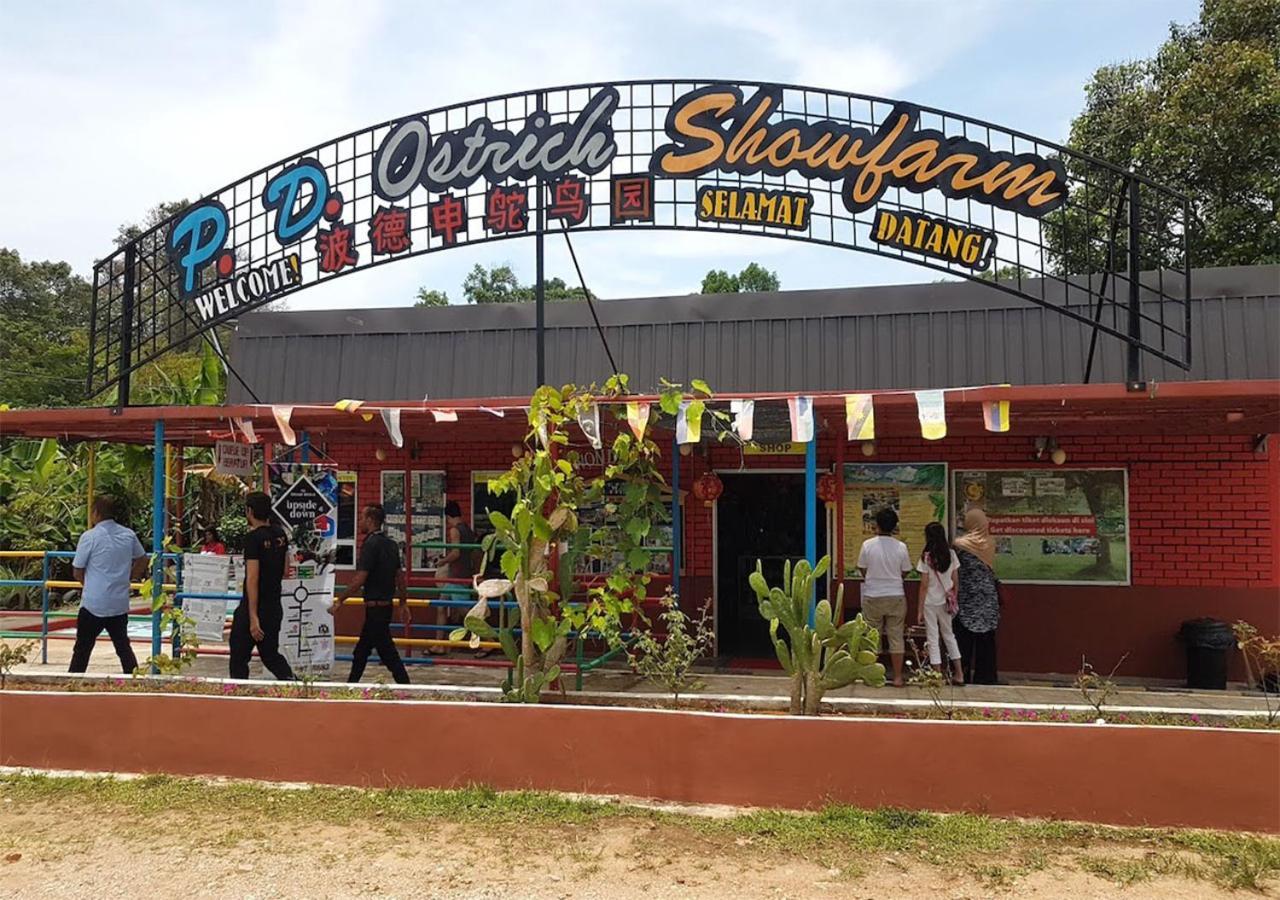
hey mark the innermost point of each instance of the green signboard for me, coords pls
(1052, 526)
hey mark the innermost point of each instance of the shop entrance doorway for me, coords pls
(759, 516)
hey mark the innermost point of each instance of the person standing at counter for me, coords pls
(978, 599)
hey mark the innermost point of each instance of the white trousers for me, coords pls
(937, 619)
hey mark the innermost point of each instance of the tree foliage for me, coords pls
(755, 278)
(44, 308)
(431, 298)
(1202, 116)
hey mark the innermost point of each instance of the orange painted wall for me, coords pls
(1115, 774)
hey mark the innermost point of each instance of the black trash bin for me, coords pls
(1207, 641)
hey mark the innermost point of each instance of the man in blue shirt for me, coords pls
(108, 557)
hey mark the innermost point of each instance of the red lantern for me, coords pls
(827, 488)
(707, 487)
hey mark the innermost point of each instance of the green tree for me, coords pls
(718, 281)
(1202, 116)
(755, 278)
(431, 297)
(44, 310)
(499, 284)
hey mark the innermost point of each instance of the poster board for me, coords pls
(306, 634)
(1052, 526)
(304, 501)
(209, 618)
(918, 491)
(205, 573)
(660, 532)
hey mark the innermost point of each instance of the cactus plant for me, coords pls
(822, 655)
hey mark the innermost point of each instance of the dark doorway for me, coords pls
(760, 516)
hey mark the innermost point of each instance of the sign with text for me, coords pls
(208, 616)
(916, 491)
(1053, 526)
(230, 458)
(829, 167)
(304, 499)
(306, 634)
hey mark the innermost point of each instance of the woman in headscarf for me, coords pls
(978, 598)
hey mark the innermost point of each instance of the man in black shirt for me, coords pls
(378, 572)
(258, 617)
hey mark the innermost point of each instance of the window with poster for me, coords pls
(660, 533)
(348, 516)
(426, 502)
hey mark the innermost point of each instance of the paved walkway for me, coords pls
(732, 689)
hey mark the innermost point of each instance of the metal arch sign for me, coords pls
(847, 170)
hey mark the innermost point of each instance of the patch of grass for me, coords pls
(997, 851)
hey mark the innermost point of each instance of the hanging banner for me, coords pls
(860, 417)
(231, 458)
(744, 412)
(932, 409)
(306, 634)
(638, 418)
(1052, 526)
(304, 498)
(205, 573)
(916, 491)
(995, 415)
(391, 421)
(801, 419)
(688, 429)
(282, 414)
(589, 422)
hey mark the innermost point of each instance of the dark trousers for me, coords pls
(89, 626)
(977, 653)
(376, 635)
(242, 643)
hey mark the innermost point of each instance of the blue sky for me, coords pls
(111, 111)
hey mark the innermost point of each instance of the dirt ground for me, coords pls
(60, 850)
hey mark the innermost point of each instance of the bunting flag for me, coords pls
(589, 422)
(493, 412)
(391, 419)
(688, 430)
(348, 406)
(367, 416)
(744, 415)
(860, 416)
(444, 415)
(801, 419)
(932, 408)
(540, 427)
(282, 415)
(246, 425)
(638, 418)
(995, 415)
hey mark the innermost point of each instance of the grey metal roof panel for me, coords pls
(903, 336)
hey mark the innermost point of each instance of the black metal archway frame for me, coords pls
(1110, 222)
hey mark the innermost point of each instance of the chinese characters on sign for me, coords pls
(632, 199)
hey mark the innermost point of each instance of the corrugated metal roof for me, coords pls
(937, 335)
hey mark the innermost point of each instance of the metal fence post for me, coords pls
(44, 609)
(811, 515)
(157, 539)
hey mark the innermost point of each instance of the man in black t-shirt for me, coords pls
(378, 572)
(258, 617)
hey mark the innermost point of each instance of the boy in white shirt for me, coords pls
(884, 561)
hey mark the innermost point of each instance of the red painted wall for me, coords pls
(1204, 516)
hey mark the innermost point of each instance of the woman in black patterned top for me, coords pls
(979, 600)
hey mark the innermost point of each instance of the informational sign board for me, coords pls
(304, 499)
(208, 616)
(205, 573)
(306, 635)
(1052, 526)
(917, 491)
(230, 458)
